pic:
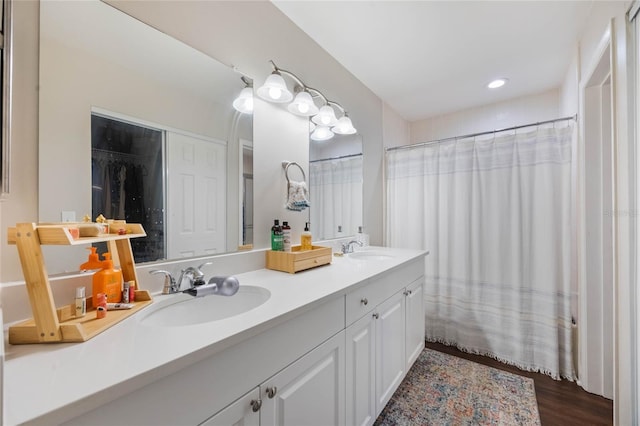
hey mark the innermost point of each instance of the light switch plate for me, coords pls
(68, 216)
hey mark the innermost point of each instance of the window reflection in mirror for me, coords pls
(335, 186)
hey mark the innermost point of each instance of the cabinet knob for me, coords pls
(271, 391)
(376, 315)
(364, 301)
(406, 292)
(256, 404)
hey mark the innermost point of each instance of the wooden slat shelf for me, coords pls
(60, 235)
(50, 325)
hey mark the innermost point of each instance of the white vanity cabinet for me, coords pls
(310, 391)
(243, 412)
(383, 344)
(414, 321)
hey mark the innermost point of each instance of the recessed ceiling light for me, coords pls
(499, 82)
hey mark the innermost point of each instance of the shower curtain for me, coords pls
(495, 215)
(335, 191)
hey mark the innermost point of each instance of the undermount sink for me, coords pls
(370, 255)
(182, 309)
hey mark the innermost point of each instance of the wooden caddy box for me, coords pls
(298, 260)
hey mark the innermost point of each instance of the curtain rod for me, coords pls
(539, 123)
(336, 158)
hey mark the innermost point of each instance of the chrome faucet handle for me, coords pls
(203, 265)
(169, 282)
(348, 247)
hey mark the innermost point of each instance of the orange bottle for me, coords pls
(108, 281)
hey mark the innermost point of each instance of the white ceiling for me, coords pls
(427, 58)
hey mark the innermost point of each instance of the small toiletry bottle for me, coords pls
(108, 281)
(362, 237)
(305, 238)
(286, 236)
(276, 236)
(81, 302)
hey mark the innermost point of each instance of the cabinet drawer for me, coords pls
(301, 265)
(364, 299)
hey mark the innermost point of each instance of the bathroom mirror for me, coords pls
(335, 186)
(96, 60)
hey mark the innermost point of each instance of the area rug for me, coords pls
(441, 389)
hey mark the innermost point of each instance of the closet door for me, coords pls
(196, 192)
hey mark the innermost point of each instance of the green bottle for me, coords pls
(277, 239)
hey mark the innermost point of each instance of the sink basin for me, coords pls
(370, 255)
(183, 310)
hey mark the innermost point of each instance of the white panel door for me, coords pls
(414, 321)
(196, 193)
(390, 348)
(240, 413)
(310, 391)
(361, 372)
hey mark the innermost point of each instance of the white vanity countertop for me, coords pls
(75, 377)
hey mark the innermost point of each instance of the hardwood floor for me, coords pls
(560, 402)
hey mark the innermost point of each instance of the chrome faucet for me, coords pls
(195, 276)
(170, 285)
(348, 247)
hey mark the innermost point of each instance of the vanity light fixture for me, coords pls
(321, 133)
(303, 105)
(344, 126)
(275, 90)
(499, 82)
(244, 102)
(325, 117)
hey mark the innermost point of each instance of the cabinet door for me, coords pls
(239, 413)
(414, 321)
(390, 348)
(308, 392)
(361, 372)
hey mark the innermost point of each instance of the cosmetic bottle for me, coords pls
(305, 238)
(286, 236)
(276, 236)
(362, 237)
(81, 302)
(108, 281)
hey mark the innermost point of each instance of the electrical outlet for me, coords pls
(68, 216)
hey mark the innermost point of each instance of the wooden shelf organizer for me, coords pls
(49, 324)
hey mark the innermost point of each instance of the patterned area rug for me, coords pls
(441, 389)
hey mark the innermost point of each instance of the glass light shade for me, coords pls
(326, 117)
(321, 133)
(344, 126)
(312, 126)
(244, 102)
(303, 105)
(275, 90)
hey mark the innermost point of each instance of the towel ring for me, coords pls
(287, 164)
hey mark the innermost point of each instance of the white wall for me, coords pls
(515, 112)
(603, 15)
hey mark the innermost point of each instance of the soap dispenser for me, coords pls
(107, 281)
(305, 238)
(93, 262)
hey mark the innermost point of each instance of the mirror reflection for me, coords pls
(335, 186)
(100, 71)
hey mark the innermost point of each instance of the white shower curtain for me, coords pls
(335, 193)
(496, 216)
